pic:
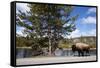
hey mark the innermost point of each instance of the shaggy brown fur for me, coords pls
(81, 48)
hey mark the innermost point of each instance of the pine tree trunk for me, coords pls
(49, 36)
(49, 47)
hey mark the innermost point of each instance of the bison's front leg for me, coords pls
(80, 53)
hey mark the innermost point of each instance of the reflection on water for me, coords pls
(25, 53)
(22, 53)
(70, 53)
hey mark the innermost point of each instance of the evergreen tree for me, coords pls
(46, 20)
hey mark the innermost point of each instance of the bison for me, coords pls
(81, 48)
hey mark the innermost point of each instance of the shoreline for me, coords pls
(63, 48)
(45, 60)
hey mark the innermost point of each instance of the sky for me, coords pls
(85, 24)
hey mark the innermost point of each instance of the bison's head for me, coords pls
(73, 48)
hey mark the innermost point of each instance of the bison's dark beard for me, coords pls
(73, 48)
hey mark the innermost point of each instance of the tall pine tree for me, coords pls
(47, 20)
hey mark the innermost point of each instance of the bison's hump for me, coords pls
(81, 45)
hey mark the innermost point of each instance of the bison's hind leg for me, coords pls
(82, 53)
(87, 53)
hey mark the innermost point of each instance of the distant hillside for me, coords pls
(84, 38)
(90, 40)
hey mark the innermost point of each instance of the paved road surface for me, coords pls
(43, 60)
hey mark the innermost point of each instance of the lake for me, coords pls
(25, 53)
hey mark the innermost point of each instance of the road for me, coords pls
(44, 60)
